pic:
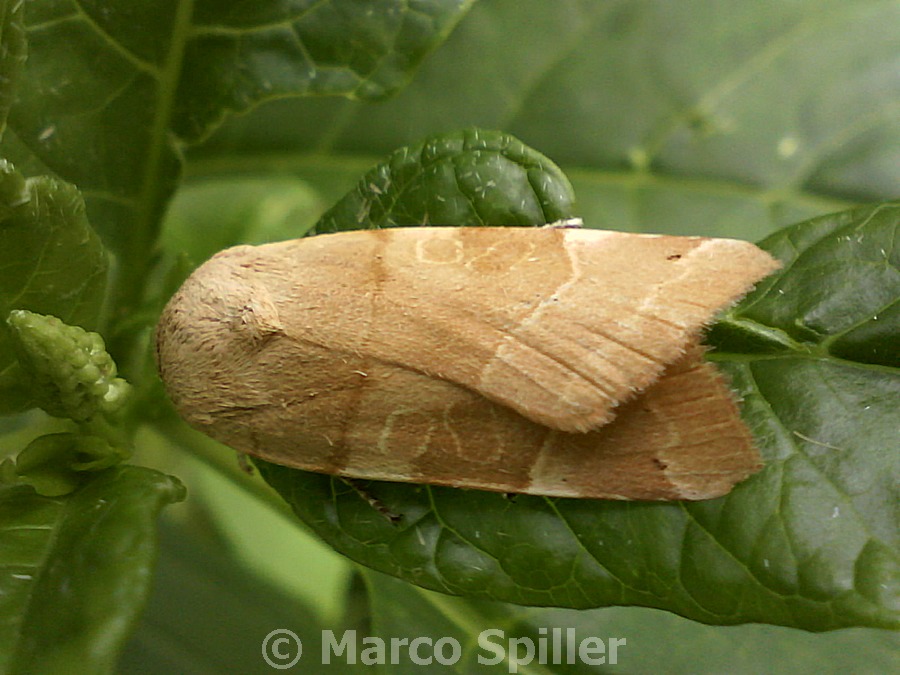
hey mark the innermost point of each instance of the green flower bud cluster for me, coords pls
(73, 375)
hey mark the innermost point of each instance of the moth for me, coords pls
(550, 361)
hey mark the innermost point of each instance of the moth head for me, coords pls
(213, 326)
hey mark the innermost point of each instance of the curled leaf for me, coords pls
(471, 177)
(56, 464)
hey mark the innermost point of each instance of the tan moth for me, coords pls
(551, 361)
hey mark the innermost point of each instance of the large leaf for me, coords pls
(685, 646)
(362, 49)
(208, 613)
(51, 262)
(114, 85)
(724, 110)
(827, 487)
(76, 571)
(472, 177)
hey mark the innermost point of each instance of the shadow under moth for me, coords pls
(550, 361)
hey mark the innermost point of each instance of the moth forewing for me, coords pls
(474, 357)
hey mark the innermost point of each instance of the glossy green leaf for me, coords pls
(115, 85)
(51, 262)
(810, 542)
(839, 300)
(361, 49)
(472, 177)
(75, 571)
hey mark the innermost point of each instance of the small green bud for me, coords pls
(73, 375)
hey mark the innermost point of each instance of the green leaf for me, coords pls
(810, 542)
(269, 541)
(51, 262)
(401, 610)
(12, 54)
(438, 618)
(210, 215)
(757, 115)
(208, 613)
(76, 570)
(55, 464)
(365, 50)
(525, 187)
(840, 299)
(472, 177)
(115, 87)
